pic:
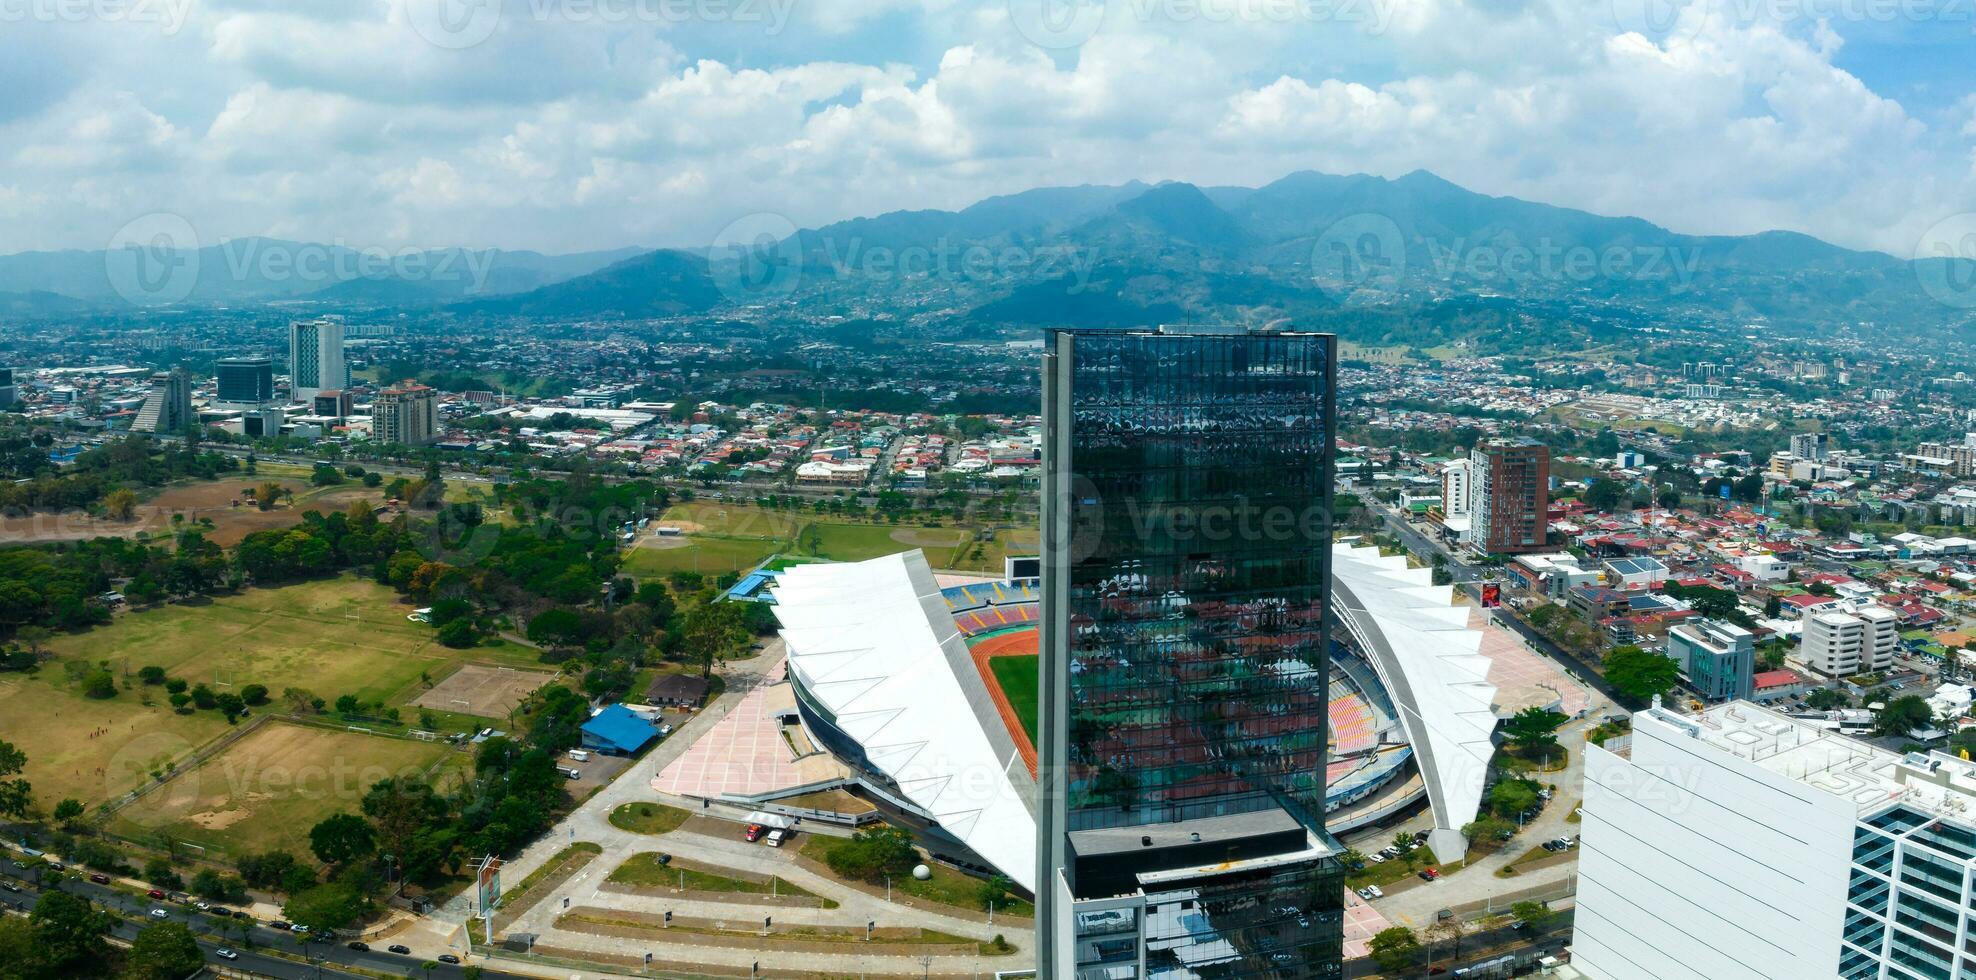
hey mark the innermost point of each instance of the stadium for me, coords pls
(920, 688)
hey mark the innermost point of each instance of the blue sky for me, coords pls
(574, 124)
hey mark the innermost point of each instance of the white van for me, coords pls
(579, 755)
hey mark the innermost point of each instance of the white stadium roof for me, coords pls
(1431, 662)
(874, 642)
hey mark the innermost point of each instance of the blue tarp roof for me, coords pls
(621, 727)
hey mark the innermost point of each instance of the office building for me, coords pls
(1810, 447)
(244, 380)
(1744, 843)
(1187, 549)
(407, 415)
(1717, 658)
(315, 358)
(8, 393)
(1952, 458)
(167, 409)
(333, 404)
(1512, 497)
(1842, 644)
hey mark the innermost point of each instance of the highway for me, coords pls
(135, 912)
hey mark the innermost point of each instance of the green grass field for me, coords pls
(268, 789)
(334, 637)
(1018, 677)
(708, 556)
(723, 537)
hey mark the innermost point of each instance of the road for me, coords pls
(136, 911)
(1425, 546)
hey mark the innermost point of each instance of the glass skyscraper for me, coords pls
(1187, 541)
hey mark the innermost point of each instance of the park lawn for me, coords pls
(721, 518)
(644, 870)
(648, 818)
(1020, 543)
(946, 886)
(859, 542)
(54, 725)
(709, 556)
(1018, 676)
(333, 637)
(268, 789)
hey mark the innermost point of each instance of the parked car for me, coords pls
(777, 836)
(154, 893)
(447, 958)
(1376, 893)
(1429, 874)
(753, 832)
(100, 879)
(10, 886)
(201, 906)
(226, 954)
(360, 947)
(401, 950)
(160, 914)
(278, 924)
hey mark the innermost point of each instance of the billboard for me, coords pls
(1492, 595)
(487, 884)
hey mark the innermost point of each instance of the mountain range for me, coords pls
(1307, 245)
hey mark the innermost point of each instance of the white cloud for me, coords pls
(563, 131)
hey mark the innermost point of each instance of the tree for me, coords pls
(1394, 949)
(15, 794)
(1604, 494)
(711, 630)
(67, 811)
(120, 504)
(459, 634)
(34, 636)
(341, 839)
(872, 853)
(1904, 715)
(1828, 699)
(218, 887)
(254, 694)
(152, 675)
(69, 929)
(160, 872)
(1640, 674)
(163, 951)
(101, 686)
(1533, 915)
(331, 905)
(1534, 730)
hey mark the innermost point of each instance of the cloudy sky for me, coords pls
(564, 125)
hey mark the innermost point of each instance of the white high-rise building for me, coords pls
(1457, 484)
(1743, 843)
(315, 358)
(1841, 644)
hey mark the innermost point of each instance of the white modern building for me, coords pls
(1842, 644)
(315, 358)
(1457, 483)
(1741, 843)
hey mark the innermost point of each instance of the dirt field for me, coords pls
(490, 692)
(266, 790)
(214, 500)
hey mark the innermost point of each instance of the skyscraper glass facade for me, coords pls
(1191, 503)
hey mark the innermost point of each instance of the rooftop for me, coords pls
(1845, 767)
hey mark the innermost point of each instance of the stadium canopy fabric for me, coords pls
(1419, 641)
(871, 641)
